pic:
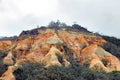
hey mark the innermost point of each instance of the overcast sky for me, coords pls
(101, 16)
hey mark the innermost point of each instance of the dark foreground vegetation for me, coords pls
(3, 67)
(37, 71)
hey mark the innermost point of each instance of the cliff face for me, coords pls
(5, 44)
(48, 46)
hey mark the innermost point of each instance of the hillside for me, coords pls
(59, 45)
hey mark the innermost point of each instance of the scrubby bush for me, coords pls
(37, 71)
(114, 75)
(69, 55)
(112, 45)
(56, 25)
(3, 67)
(29, 71)
(80, 28)
(112, 48)
(59, 73)
(113, 40)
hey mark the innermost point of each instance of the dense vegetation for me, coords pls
(112, 45)
(113, 40)
(37, 71)
(112, 48)
(3, 67)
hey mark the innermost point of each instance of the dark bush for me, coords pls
(112, 48)
(29, 71)
(114, 75)
(56, 25)
(59, 73)
(3, 67)
(60, 58)
(69, 55)
(36, 71)
(80, 28)
(29, 33)
(113, 40)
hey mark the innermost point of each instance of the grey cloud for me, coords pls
(12, 27)
(97, 15)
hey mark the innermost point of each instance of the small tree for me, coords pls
(56, 25)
